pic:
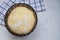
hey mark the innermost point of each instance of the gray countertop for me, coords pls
(47, 27)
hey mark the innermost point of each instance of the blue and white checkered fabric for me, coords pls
(36, 4)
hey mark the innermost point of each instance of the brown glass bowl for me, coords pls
(11, 9)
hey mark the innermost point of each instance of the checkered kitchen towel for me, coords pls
(38, 6)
